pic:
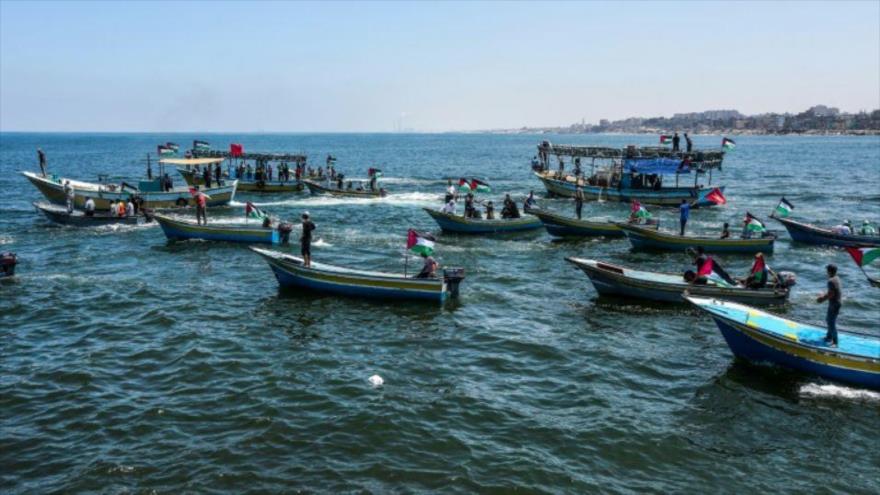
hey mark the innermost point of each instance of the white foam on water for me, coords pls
(6, 240)
(322, 243)
(838, 391)
(376, 381)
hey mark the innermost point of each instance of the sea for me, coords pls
(129, 364)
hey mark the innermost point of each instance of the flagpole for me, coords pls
(405, 263)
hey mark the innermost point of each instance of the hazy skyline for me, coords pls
(277, 66)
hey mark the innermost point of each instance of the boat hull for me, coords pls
(663, 197)
(249, 185)
(290, 273)
(810, 234)
(177, 230)
(60, 215)
(54, 192)
(560, 226)
(654, 240)
(318, 189)
(460, 225)
(610, 283)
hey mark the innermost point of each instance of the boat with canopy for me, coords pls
(614, 280)
(644, 238)
(290, 272)
(630, 174)
(249, 168)
(762, 337)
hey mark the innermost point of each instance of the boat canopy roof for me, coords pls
(260, 157)
(190, 161)
(700, 158)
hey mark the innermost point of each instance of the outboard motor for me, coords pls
(786, 279)
(9, 260)
(453, 277)
(284, 229)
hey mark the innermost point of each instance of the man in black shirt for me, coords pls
(306, 240)
(42, 158)
(832, 295)
(675, 142)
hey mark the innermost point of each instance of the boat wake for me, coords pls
(401, 199)
(815, 390)
(322, 243)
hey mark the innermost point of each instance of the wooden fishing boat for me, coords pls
(318, 189)
(78, 218)
(148, 191)
(631, 173)
(247, 185)
(658, 240)
(461, 225)
(178, 230)
(290, 272)
(614, 280)
(762, 337)
(563, 226)
(810, 234)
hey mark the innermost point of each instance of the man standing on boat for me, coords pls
(684, 210)
(578, 201)
(675, 142)
(201, 208)
(42, 157)
(688, 143)
(69, 195)
(305, 240)
(832, 295)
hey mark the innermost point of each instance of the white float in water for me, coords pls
(376, 381)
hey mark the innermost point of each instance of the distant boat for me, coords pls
(149, 191)
(762, 337)
(318, 189)
(248, 185)
(177, 229)
(810, 234)
(461, 225)
(658, 240)
(290, 272)
(614, 280)
(78, 218)
(563, 226)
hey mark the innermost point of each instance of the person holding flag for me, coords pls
(752, 226)
(423, 244)
(638, 213)
(758, 275)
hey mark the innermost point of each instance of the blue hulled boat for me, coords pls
(810, 234)
(461, 225)
(762, 337)
(180, 230)
(650, 239)
(290, 272)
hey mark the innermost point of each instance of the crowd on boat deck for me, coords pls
(846, 228)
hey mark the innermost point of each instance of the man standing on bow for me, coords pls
(305, 240)
(42, 157)
(832, 295)
(684, 210)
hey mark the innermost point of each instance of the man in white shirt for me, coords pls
(449, 207)
(90, 207)
(129, 209)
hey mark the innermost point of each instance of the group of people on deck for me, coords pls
(709, 270)
(846, 228)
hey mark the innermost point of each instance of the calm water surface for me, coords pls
(131, 364)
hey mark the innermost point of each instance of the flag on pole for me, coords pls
(164, 150)
(201, 145)
(420, 243)
(251, 211)
(753, 224)
(463, 185)
(236, 149)
(480, 186)
(864, 255)
(664, 139)
(716, 196)
(784, 208)
(173, 146)
(728, 144)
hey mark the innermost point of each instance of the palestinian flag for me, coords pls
(252, 211)
(783, 209)
(716, 196)
(664, 139)
(864, 256)
(374, 172)
(753, 224)
(463, 185)
(420, 243)
(164, 150)
(174, 146)
(201, 145)
(728, 144)
(480, 186)
(642, 213)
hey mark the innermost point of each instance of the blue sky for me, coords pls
(337, 66)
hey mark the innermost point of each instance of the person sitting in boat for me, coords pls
(867, 228)
(490, 211)
(692, 278)
(843, 229)
(449, 207)
(530, 201)
(510, 208)
(69, 196)
(90, 206)
(121, 209)
(129, 208)
(429, 269)
(758, 275)
(267, 222)
(536, 165)
(725, 231)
